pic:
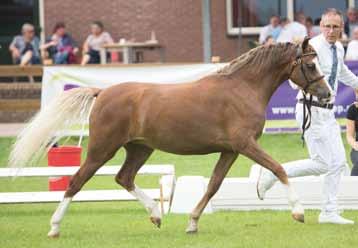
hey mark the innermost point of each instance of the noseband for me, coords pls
(306, 103)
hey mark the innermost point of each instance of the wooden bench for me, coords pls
(19, 101)
(16, 71)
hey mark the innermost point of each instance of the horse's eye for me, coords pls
(311, 66)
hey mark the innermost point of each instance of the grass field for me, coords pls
(126, 224)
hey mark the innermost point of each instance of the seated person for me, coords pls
(291, 31)
(61, 48)
(352, 48)
(25, 48)
(352, 134)
(273, 29)
(94, 42)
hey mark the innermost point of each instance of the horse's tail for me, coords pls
(71, 107)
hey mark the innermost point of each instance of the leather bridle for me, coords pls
(298, 61)
(306, 103)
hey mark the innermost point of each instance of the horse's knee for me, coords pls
(124, 182)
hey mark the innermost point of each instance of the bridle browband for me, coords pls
(306, 103)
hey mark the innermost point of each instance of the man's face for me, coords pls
(331, 27)
(352, 15)
(355, 34)
(29, 33)
(275, 21)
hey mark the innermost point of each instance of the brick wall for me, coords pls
(177, 24)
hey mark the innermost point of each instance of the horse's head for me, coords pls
(306, 74)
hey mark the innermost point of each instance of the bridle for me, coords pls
(306, 103)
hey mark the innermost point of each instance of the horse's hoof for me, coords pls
(299, 217)
(53, 235)
(156, 221)
(191, 230)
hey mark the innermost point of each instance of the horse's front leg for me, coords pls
(220, 171)
(254, 152)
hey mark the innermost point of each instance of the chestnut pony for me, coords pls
(220, 113)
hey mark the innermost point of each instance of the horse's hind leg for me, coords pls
(220, 171)
(254, 152)
(96, 157)
(136, 156)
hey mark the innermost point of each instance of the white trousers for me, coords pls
(327, 155)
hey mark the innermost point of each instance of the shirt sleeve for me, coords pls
(347, 77)
(108, 38)
(263, 34)
(352, 112)
(15, 42)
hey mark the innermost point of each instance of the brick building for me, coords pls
(178, 24)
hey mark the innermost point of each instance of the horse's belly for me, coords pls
(184, 146)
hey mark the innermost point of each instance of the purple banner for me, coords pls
(283, 102)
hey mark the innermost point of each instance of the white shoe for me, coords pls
(264, 182)
(333, 218)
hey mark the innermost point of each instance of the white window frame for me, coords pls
(256, 30)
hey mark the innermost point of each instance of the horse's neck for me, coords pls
(264, 85)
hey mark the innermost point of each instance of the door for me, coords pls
(13, 14)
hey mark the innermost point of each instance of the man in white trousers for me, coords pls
(323, 137)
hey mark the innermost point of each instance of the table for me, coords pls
(128, 50)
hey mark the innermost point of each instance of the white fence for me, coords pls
(163, 193)
(240, 194)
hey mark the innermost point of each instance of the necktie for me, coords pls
(332, 77)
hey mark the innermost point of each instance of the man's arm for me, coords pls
(347, 77)
(15, 52)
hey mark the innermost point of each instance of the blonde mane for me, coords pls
(260, 58)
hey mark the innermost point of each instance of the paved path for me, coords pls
(10, 129)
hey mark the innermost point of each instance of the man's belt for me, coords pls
(318, 104)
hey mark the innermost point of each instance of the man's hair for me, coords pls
(27, 26)
(332, 11)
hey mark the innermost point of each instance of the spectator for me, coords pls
(273, 29)
(94, 42)
(352, 49)
(25, 48)
(351, 21)
(352, 134)
(300, 18)
(291, 31)
(312, 30)
(60, 47)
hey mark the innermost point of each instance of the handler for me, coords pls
(323, 137)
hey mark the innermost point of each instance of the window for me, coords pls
(252, 14)
(248, 16)
(314, 8)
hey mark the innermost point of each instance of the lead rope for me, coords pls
(306, 118)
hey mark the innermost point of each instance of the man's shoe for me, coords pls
(264, 182)
(333, 218)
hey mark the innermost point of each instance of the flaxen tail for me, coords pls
(69, 108)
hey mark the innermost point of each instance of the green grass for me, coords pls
(126, 224)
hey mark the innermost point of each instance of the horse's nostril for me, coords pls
(328, 94)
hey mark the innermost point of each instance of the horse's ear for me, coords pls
(305, 43)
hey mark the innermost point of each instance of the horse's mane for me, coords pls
(260, 58)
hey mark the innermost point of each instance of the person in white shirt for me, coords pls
(352, 48)
(291, 31)
(323, 137)
(273, 29)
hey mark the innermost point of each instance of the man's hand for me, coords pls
(16, 53)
